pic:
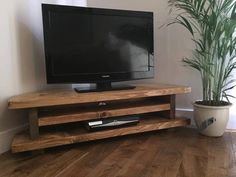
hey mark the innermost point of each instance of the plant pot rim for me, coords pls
(211, 107)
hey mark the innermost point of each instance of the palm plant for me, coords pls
(212, 24)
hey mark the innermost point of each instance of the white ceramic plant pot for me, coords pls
(211, 120)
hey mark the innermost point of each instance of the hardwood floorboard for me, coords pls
(219, 156)
(48, 164)
(194, 160)
(95, 156)
(179, 153)
(119, 158)
(138, 161)
(232, 154)
(169, 152)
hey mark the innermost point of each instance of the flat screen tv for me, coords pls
(93, 45)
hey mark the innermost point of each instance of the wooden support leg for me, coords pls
(170, 113)
(33, 123)
(172, 106)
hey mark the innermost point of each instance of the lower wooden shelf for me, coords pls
(51, 137)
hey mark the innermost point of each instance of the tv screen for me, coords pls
(92, 45)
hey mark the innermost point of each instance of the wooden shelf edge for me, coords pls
(22, 142)
(106, 113)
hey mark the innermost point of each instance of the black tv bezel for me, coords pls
(95, 77)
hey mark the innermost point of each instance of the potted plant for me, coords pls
(212, 25)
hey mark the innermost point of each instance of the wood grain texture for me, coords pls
(64, 97)
(179, 153)
(47, 139)
(95, 113)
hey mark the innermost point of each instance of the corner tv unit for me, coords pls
(57, 117)
(93, 45)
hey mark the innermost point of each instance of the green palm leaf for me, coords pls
(212, 24)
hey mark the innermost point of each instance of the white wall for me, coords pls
(171, 44)
(21, 67)
(21, 58)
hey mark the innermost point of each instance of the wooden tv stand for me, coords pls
(56, 116)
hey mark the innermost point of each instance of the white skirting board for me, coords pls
(188, 113)
(6, 137)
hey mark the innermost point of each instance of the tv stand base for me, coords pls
(57, 117)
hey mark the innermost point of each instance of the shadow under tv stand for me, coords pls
(103, 86)
(56, 117)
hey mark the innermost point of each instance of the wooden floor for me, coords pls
(175, 153)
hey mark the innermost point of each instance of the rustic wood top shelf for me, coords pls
(65, 97)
